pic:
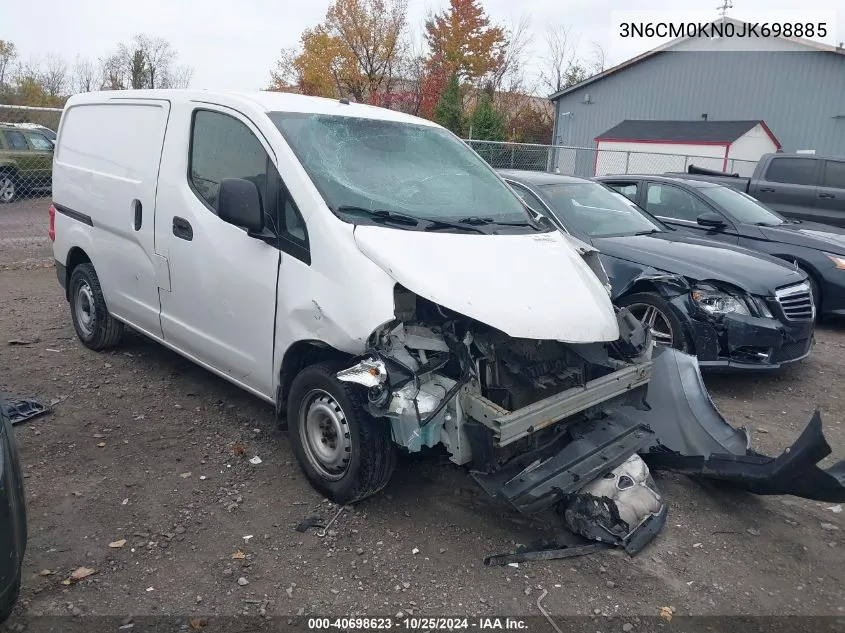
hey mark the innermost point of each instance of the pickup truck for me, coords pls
(805, 187)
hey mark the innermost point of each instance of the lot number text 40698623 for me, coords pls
(417, 624)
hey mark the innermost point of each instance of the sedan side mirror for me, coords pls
(711, 219)
(239, 203)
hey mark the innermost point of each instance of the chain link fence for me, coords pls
(586, 162)
(27, 138)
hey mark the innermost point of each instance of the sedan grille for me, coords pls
(796, 302)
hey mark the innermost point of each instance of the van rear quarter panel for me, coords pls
(108, 157)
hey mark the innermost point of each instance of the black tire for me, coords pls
(7, 607)
(370, 455)
(633, 301)
(96, 328)
(10, 188)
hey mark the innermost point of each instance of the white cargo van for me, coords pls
(366, 272)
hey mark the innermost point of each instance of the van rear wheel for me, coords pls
(344, 452)
(96, 328)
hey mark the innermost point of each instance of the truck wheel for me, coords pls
(657, 315)
(8, 187)
(345, 453)
(95, 327)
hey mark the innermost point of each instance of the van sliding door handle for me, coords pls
(767, 189)
(826, 195)
(139, 217)
(182, 229)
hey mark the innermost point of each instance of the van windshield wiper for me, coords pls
(379, 214)
(648, 232)
(436, 225)
(479, 221)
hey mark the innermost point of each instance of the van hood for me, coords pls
(533, 286)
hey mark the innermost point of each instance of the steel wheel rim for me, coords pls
(7, 189)
(325, 434)
(658, 324)
(83, 305)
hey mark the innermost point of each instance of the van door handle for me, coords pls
(767, 189)
(826, 195)
(182, 229)
(138, 214)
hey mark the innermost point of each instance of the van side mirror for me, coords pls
(711, 219)
(239, 203)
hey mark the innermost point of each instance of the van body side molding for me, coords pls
(76, 215)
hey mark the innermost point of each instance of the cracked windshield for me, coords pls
(400, 174)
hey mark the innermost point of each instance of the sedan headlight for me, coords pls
(838, 260)
(713, 301)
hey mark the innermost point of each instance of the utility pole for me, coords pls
(723, 9)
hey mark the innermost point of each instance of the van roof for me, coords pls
(266, 100)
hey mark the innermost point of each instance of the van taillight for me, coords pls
(51, 232)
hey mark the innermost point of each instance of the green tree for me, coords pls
(449, 109)
(487, 123)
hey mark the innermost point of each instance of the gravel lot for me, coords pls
(145, 447)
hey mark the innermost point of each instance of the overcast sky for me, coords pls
(235, 44)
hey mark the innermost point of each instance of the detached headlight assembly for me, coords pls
(716, 302)
(838, 260)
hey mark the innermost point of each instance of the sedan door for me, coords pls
(681, 209)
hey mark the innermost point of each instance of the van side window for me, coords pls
(223, 147)
(792, 171)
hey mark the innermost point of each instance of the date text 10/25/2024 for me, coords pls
(416, 624)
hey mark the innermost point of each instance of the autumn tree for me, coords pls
(355, 52)
(464, 43)
(449, 110)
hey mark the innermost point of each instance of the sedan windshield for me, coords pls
(398, 172)
(741, 207)
(594, 210)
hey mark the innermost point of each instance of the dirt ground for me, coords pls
(139, 446)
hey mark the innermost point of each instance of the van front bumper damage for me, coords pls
(585, 451)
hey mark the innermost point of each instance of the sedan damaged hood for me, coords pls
(529, 286)
(809, 234)
(701, 260)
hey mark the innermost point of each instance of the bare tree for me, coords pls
(560, 64)
(511, 75)
(84, 78)
(8, 54)
(112, 73)
(53, 76)
(147, 62)
(599, 59)
(179, 77)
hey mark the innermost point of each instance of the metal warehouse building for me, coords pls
(795, 86)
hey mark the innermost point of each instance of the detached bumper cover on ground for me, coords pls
(693, 438)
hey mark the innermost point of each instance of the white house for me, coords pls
(654, 147)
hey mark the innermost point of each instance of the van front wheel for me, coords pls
(95, 327)
(345, 453)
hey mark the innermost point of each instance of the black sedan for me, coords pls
(12, 516)
(731, 307)
(725, 215)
